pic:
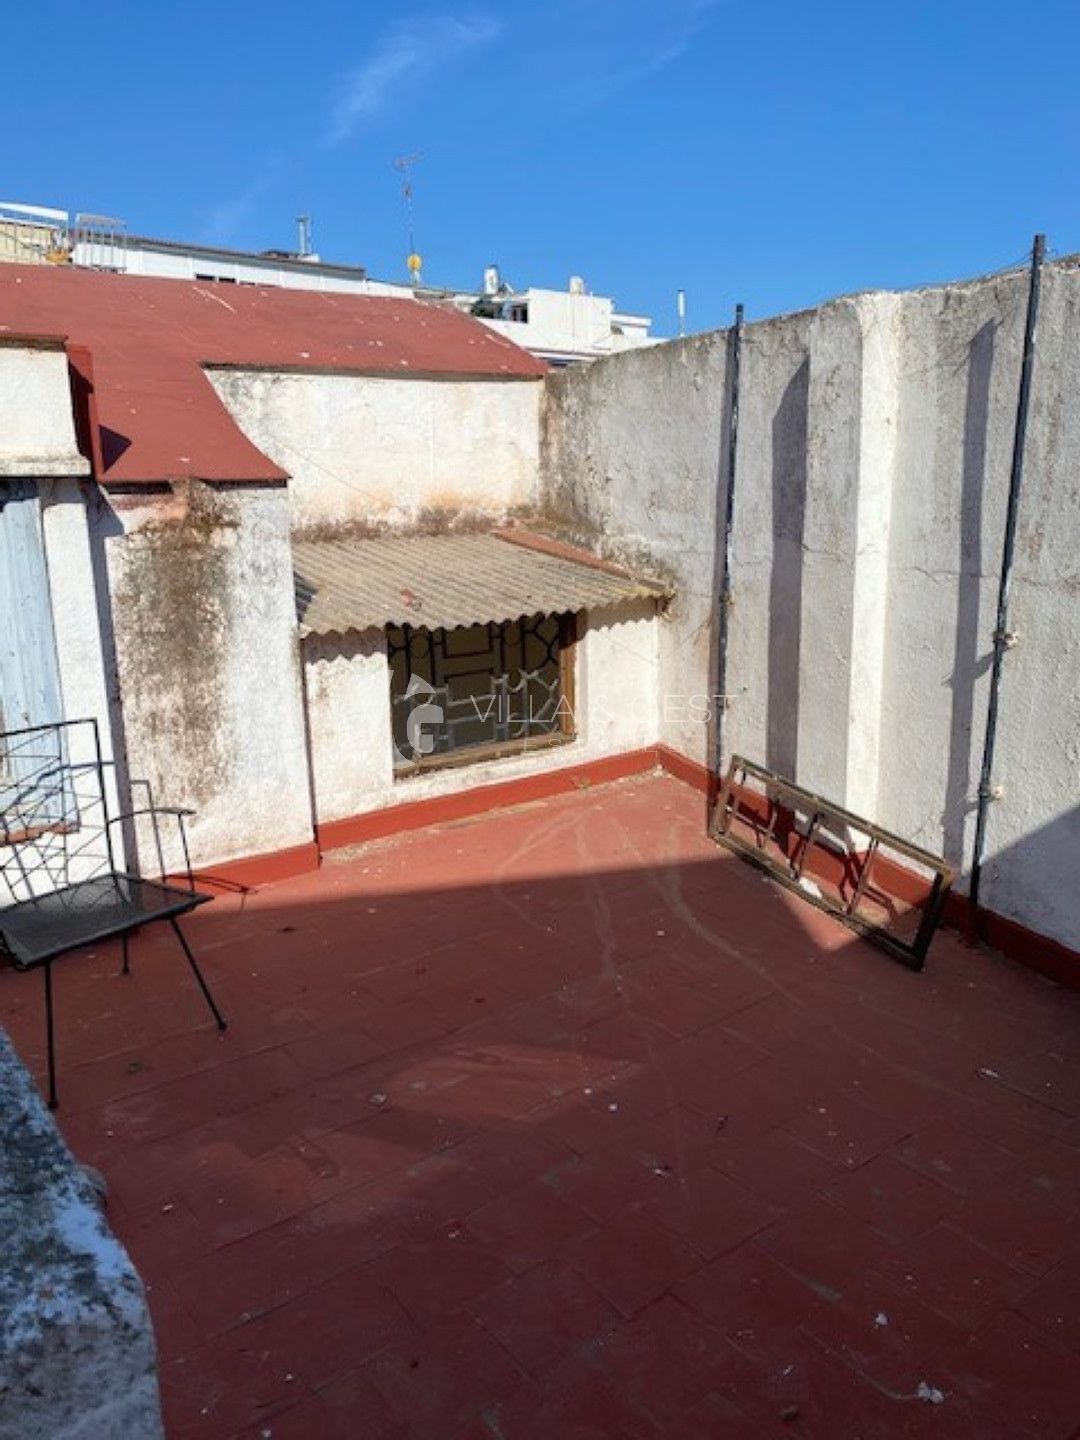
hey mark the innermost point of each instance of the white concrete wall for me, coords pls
(874, 446)
(630, 463)
(375, 451)
(959, 373)
(37, 426)
(208, 664)
(348, 701)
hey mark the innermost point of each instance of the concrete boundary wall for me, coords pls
(874, 448)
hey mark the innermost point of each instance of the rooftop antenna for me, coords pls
(403, 165)
(303, 228)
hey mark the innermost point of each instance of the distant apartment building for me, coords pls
(563, 327)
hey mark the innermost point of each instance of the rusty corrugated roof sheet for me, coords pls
(443, 581)
(151, 340)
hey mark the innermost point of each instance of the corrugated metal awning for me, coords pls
(443, 581)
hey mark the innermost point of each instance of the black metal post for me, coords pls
(735, 337)
(1003, 640)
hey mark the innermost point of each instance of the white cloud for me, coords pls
(406, 53)
(227, 217)
(676, 27)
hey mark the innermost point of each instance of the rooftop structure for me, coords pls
(563, 327)
(152, 340)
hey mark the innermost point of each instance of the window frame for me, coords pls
(566, 734)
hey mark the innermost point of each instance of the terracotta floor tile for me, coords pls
(544, 1316)
(399, 1178)
(1053, 1304)
(575, 1403)
(776, 1166)
(667, 1360)
(632, 1260)
(892, 1198)
(825, 1246)
(709, 1211)
(446, 1378)
(753, 1300)
(1048, 1235)
(965, 1282)
(844, 1131)
(525, 1226)
(435, 1278)
(961, 1159)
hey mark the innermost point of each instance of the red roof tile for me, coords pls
(159, 416)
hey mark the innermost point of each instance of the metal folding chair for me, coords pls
(58, 860)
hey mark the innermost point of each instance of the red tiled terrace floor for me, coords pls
(562, 1123)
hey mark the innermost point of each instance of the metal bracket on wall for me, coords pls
(870, 879)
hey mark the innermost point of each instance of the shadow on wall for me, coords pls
(103, 526)
(968, 665)
(789, 476)
(1036, 876)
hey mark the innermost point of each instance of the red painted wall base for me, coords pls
(255, 870)
(478, 800)
(1039, 952)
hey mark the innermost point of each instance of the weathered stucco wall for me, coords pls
(874, 445)
(368, 451)
(630, 459)
(208, 666)
(959, 373)
(348, 688)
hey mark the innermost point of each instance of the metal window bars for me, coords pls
(504, 703)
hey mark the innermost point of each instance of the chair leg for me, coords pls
(221, 1023)
(51, 1044)
(125, 968)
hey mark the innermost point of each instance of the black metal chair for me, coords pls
(63, 888)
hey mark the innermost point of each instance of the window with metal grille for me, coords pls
(480, 691)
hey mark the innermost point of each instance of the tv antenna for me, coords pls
(404, 166)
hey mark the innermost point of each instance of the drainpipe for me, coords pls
(735, 338)
(1004, 639)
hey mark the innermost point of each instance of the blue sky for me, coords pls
(772, 153)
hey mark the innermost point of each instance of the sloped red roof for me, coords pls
(160, 418)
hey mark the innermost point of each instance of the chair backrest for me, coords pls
(54, 817)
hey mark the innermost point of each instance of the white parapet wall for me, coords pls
(77, 1353)
(37, 428)
(875, 439)
(380, 451)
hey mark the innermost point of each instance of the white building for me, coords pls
(561, 326)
